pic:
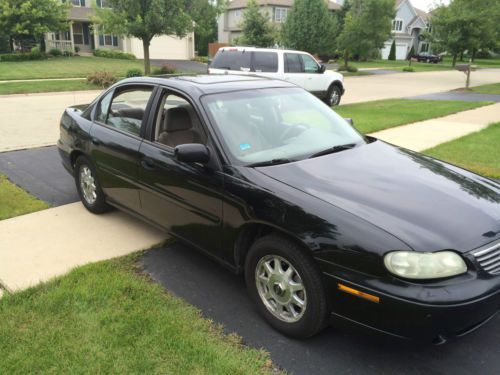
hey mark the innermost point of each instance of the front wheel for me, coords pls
(88, 187)
(333, 95)
(286, 286)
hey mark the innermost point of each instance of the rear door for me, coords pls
(115, 140)
(266, 64)
(294, 69)
(183, 198)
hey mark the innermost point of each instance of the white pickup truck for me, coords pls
(297, 67)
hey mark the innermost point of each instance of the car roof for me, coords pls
(249, 48)
(203, 84)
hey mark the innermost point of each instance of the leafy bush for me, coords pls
(201, 59)
(350, 69)
(165, 69)
(392, 52)
(103, 79)
(112, 54)
(35, 54)
(67, 53)
(77, 49)
(55, 52)
(134, 73)
(408, 69)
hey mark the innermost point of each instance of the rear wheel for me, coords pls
(285, 284)
(333, 95)
(88, 186)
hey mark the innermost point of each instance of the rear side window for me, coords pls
(232, 60)
(293, 63)
(265, 62)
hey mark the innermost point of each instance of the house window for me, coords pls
(397, 25)
(78, 33)
(78, 3)
(424, 47)
(429, 28)
(280, 14)
(237, 13)
(108, 40)
(102, 4)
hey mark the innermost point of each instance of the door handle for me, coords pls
(148, 163)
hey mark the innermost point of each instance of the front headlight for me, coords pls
(413, 265)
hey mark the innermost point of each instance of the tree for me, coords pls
(257, 30)
(466, 25)
(367, 26)
(392, 52)
(310, 27)
(205, 14)
(144, 20)
(25, 19)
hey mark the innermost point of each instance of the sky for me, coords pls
(427, 4)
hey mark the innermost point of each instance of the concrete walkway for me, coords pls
(32, 120)
(423, 135)
(386, 86)
(39, 246)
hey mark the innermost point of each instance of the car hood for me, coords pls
(426, 203)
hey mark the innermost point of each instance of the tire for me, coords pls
(95, 203)
(275, 249)
(333, 95)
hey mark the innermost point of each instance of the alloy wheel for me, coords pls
(88, 185)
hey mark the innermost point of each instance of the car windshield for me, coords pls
(276, 124)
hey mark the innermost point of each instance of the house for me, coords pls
(84, 37)
(229, 22)
(407, 29)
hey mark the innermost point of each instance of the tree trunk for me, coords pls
(346, 59)
(454, 60)
(462, 56)
(147, 63)
(11, 43)
(473, 54)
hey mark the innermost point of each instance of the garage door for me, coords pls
(401, 51)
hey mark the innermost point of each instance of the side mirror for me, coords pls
(192, 153)
(322, 68)
(349, 121)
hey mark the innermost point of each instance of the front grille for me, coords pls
(489, 259)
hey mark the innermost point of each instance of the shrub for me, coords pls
(67, 53)
(77, 49)
(134, 73)
(408, 69)
(103, 79)
(55, 52)
(33, 55)
(412, 53)
(112, 54)
(201, 59)
(165, 69)
(350, 69)
(392, 53)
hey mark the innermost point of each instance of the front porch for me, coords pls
(80, 38)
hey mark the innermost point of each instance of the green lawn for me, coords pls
(65, 67)
(478, 152)
(481, 63)
(378, 115)
(14, 201)
(45, 86)
(487, 89)
(107, 318)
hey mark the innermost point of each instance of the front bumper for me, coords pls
(431, 313)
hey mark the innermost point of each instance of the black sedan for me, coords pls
(428, 57)
(327, 225)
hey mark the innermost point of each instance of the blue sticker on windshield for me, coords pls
(245, 146)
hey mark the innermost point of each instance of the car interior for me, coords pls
(177, 123)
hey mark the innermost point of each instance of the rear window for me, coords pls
(265, 62)
(232, 60)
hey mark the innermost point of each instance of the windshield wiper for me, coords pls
(333, 149)
(269, 162)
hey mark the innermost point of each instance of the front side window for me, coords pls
(293, 63)
(310, 65)
(232, 60)
(126, 111)
(265, 62)
(177, 122)
(276, 123)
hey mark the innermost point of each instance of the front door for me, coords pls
(183, 198)
(115, 140)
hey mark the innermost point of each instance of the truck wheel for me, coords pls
(333, 95)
